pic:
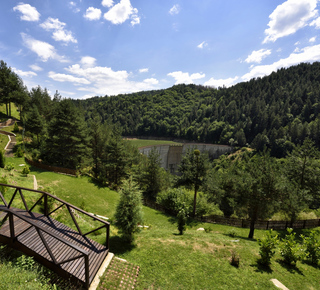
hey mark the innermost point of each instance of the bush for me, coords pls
(26, 170)
(312, 247)
(9, 166)
(267, 248)
(289, 248)
(16, 128)
(176, 198)
(182, 219)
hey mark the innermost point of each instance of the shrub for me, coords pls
(9, 166)
(267, 248)
(26, 170)
(19, 152)
(312, 247)
(16, 128)
(289, 248)
(235, 259)
(182, 219)
(232, 233)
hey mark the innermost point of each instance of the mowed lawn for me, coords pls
(195, 260)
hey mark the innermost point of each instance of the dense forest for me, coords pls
(276, 111)
(278, 115)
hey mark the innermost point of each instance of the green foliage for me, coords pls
(26, 170)
(9, 166)
(129, 210)
(182, 220)
(312, 247)
(16, 128)
(290, 249)
(25, 262)
(267, 248)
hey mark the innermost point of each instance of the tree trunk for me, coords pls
(252, 223)
(195, 201)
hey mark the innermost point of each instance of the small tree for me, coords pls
(182, 219)
(267, 248)
(129, 210)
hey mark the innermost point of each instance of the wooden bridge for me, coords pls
(66, 251)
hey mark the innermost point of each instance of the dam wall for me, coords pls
(171, 155)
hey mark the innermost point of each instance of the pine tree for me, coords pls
(129, 210)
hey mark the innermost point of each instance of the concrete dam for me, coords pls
(171, 154)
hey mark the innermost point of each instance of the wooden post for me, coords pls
(108, 233)
(45, 205)
(11, 223)
(86, 266)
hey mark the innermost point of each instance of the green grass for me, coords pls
(3, 141)
(141, 143)
(195, 260)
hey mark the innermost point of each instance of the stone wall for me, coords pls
(171, 155)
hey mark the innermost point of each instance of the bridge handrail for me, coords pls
(83, 253)
(67, 204)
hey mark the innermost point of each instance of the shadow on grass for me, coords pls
(290, 268)
(309, 263)
(260, 268)
(96, 182)
(119, 246)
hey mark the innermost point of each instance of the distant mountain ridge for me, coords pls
(276, 111)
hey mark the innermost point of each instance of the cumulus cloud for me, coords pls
(185, 78)
(221, 82)
(121, 12)
(289, 17)
(175, 9)
(107, 3)
(44, 50)
(202, 45)
(67, 78)
(143, 70)
(92, 13)
(29, 13)
(258, 55)
(316, 23)
(59, 31)
(35, 67)
(97, 80)
(88, 61)
(307, 54)
(28, 74)
(312, 39)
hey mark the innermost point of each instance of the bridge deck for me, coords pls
(31, 240)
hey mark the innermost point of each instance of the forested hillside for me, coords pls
(278, 111)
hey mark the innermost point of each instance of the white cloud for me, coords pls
(121, 12)
(258, 55)
(63, 35)
(185, 78)
(175, 9)
(43, 49)
(202, 45)
(151, 81)
(67, 78)
(289, 17)
(35, 67)
(93, 13)
(88, 61)
(99, 80)
(312, 39)
(143, 70)
(316, 23)
(74, 7)
(59, 33)
(107, 3)
(307, 54)
(28, 74)
(29, 13)
(221, 82)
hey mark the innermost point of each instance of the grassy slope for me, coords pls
(141, 143)
(196, 260)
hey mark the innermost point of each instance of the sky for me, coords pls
(87, 48)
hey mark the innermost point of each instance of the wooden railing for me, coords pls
(40, 230)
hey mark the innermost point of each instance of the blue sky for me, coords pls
(86, 48)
